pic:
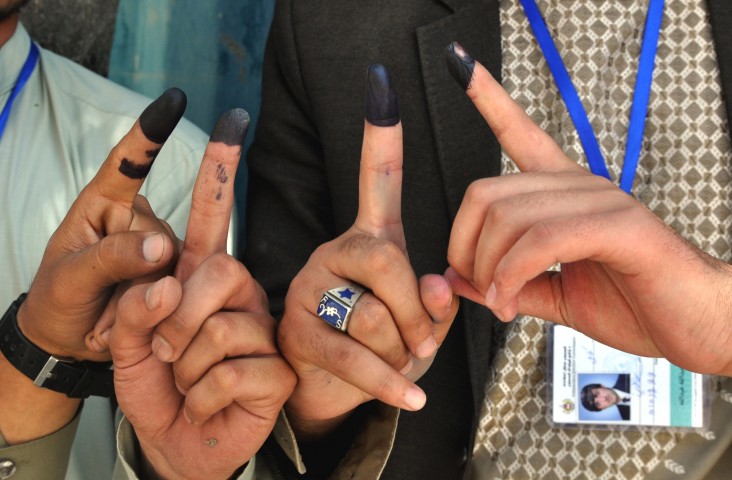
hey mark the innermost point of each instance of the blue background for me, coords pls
(212, 50)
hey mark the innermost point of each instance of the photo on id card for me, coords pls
(591, 383)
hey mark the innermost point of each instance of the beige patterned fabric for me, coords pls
(683, 177)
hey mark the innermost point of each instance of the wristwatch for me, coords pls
(75, 379)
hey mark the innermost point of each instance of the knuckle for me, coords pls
(384, 257)
(369, 317)
(224, 377)
(475, 193)
(498, 213)
(541, 233)
(217, 330)
(224, 266)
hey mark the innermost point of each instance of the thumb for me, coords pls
(144, 385)
(139, 311)
(118, 257)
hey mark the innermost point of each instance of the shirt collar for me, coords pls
(12, 57)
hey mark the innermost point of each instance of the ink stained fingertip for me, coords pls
(160, 117)
(381, 102)
(460, 64)
(231, 128)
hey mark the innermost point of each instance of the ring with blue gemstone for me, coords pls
(337, 304)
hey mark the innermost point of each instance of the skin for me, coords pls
(209, 412)
(109, 235)
(623, 270)
(111, 241)
(393, 330)
(8, 9)
(605, 397)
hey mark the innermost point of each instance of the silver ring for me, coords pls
(337, 304)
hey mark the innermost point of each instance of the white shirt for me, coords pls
(62, 125)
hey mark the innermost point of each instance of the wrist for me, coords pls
(722, 324)
(27, 412)
(72, 378)
(36, 335)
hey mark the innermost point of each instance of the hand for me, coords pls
(209, 412)
(395, 327)
(91, 252)
(626, 279)
(95, 248)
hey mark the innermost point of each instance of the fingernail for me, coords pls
(499, 315)
(95, 344)
(153, 294)
(415, 398)
(153, 248)
(182, 390)
(460, 64)
(407, 368)
(160, 117)
(105, 336)
(490, 295)
(188, 419)
(231, 127)
(381, 103)
(162, 349)
(426, 348)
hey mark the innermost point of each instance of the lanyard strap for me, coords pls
(25, 73)
(577, 113)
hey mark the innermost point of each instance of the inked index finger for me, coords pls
(213, 192)
(380, 178)
(529, 146)
(121, 176)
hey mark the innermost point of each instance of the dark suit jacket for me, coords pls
(304, 165)
(624, 411)
(622, 383)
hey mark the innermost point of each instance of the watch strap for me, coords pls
(76, 379)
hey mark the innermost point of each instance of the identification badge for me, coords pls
(591, 383)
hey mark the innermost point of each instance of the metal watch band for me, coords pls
(75, 379)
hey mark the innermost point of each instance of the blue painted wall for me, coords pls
(211, 49)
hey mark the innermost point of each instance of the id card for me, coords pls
(592, 383)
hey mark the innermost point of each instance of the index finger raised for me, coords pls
(380, 178)
(529, 146)
(213, 192)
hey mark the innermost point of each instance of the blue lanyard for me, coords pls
(577, 112)
(25, 73)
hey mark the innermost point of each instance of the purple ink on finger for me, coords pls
(160, 117)
(460, 64)
(231, 129)
(381, 103)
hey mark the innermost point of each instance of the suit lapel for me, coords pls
(461, 135)
(720, 16)
(466, 147)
